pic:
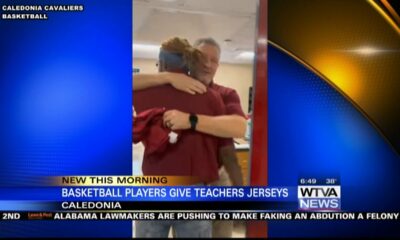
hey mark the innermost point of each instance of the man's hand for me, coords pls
(176, 120)
(227, 155)
(179, 81)
(185, 83)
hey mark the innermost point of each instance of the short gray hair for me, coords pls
(207, 40)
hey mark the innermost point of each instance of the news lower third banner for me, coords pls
(173, 198)
(141, 192)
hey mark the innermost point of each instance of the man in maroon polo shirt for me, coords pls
(232, 124)
(194, 153)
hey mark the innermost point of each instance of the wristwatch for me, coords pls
(193, 121)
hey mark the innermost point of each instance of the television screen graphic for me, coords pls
(199, 118)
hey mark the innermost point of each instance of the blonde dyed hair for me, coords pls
(191, 56)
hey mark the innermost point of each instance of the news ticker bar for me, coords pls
(201, 215)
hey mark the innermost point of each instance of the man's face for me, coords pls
(209, 66)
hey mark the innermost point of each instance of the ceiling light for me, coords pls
(146, 47)
(245, 55)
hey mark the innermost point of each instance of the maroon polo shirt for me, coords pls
(230, 98)
(195, 154)
(232, 107)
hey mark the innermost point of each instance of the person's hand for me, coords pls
(176, 120)
(185, 83)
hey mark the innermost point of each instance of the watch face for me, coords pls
(193, 118)
(193, 121)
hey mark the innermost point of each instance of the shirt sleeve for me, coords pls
(232, 107)
(232, 104)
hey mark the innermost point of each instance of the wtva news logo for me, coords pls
(319, 197)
